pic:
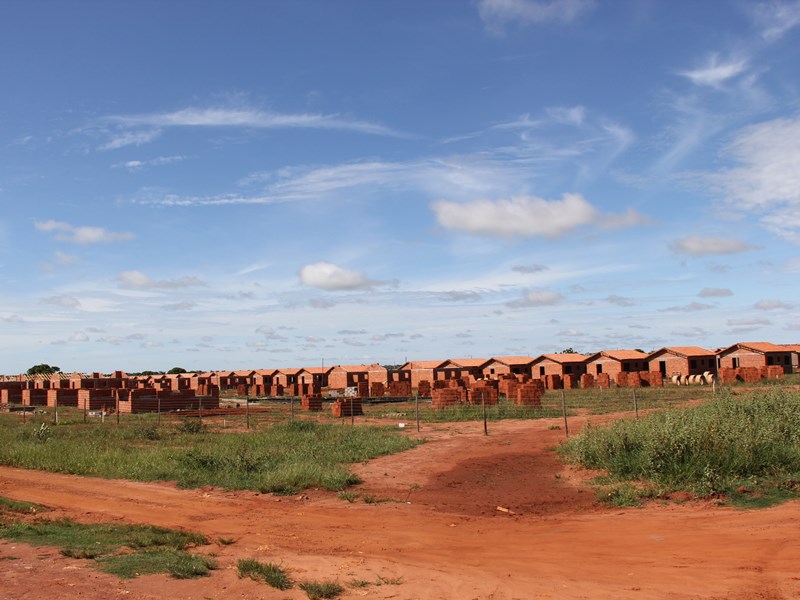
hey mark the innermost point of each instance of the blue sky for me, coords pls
(220, 185)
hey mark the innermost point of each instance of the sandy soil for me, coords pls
(436, 527)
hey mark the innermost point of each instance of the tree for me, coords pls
(43, 369)
(568, 351)
(175, 370)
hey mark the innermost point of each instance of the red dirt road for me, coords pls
(441, 533)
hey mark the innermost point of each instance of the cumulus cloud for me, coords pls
(691, 307)
(65, 232)
(696, 245)
(772, 305)
(534, 268)
(327, 276)
(137, 279)
(715, 293)
(715, 72)
(64, 300)
(528, 216)
(531, 298)
(497, 13)
(766, 182)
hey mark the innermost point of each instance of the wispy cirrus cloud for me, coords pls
(136, 165)
(715, 72)
(696, 245)
(498, 13)
(529, 216)
(81, 234)
(775, 18)
(137, 279)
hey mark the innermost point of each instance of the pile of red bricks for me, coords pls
(362, 389)
(570, 382)
(587, 380)
(400, 389)
(424, 388)
(507, 385)
(772, 372)
(311, 403)
(655, 379)
(727, 375)
(444, 397)
(377, 389)
(553, 382)
(484, 392)
(346, 407)
(748, 374)
(530, 394)
(603, 380)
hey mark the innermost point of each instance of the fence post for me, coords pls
(485, 425)
(352, 414)
(416, 409)
(247, 411)
(55, 411)
(116, 395)
(200, 409)
(291, 402)
(564, 410)
(85, 411)
(635, 404)
(158, 408)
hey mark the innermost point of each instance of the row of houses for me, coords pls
(681, 361)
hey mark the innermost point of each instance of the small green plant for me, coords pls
(190, 426)
(269, 573)
(15, 506)
(42, 433)
(370, 499)
(554, 427)
(381, 580)
(359, 583)
(179, 564)
(349, 496)
(321, 590)
(226, 541)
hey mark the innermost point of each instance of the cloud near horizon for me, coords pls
(81, 234)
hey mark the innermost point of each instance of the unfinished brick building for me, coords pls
(507, 365)
(756, 354)
(682, 361)
(558, 364)
(460, 368)
(613, 362)
(419, 370)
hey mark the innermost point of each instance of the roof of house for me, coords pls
(791, 347)
(514, 360)
(422, 364)
(567, 357)
(761, 347)
(684, 351)
(352, 368)
(620, 355)
(317, 370)
(469, 362)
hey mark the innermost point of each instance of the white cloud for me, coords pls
(772, 305)
(269, 333)
(534, 268)
(776, 18)
(121, 139)
(64, 300)
(569, 115)
(748, 322)
(767, 181)
(137, 279)
(716, 72)
(619, 300)
(531, 298)
(527, 216)
(79, 336)
(327, 276)
(715, 293)
(496, 13)
(65, 232)
(135, 165)
(696, 245)
(65, 260)
(461, 296)
(241, 117)
(13, 318)
(691, 307)
(179, 306)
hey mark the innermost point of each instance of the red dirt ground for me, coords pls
(441, 532)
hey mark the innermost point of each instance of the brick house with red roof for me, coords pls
(756, 354)
(682, 360)
(507, 365)
(559, 364)
(613, 362)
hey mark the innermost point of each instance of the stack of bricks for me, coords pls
(400, 389)
(460, 385)
(444, 397)
(632, 379)
(441, 383)
(570, 382)
(346, 407)
(484, 392)
(772, 372)
(11, 392)
(748, 374)
(655, 379)
(311, 403)
(377, 389)
(505, 382)
(603, 380)
(424, 388)
(362, 389)
(530, 394)
(242, 390)
(553, 382)
(727, 375)
(62, 397)
(587, 381)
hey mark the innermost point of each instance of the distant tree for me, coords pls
(43, 369)
(568, 351)
(175, 370)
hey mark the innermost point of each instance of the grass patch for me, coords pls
(321, 590)
(151, 549)
(178, 563)
(349, 496)
(15, 506)
(712, 449)
(283, 458)
(269, 573)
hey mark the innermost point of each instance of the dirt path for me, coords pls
(441, 533)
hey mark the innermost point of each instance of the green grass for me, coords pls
(122, 550)
(178, 563)
(283, 458)
(711, 449)
(269, 573)
(15, 506)
(321, 590)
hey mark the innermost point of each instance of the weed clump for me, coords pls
(269, 573)
(321, 590)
